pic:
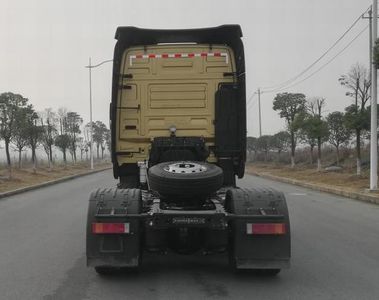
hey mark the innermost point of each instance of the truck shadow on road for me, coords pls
(174, 274)
(183, 265)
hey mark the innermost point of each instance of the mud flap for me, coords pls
(114, 249)
(258, 251)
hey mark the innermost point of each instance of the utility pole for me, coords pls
(374, 117)
(260, 114)
(370, 45)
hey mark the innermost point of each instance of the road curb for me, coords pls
(321, 188)
(48, 183)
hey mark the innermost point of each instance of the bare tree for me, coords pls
(72, 128)
(48, 120)
(318, 126)
(62, 114)
(82, 146)
(308, 139)
(34, 133)
(338, 133)
(358, 84)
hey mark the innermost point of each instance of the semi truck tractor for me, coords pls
(178, 143)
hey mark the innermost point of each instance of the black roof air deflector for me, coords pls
(225, 34)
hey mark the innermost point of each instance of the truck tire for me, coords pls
(185, 178)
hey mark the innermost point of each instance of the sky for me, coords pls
(45, 46)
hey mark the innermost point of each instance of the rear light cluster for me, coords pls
(266, 228)
(100, 228)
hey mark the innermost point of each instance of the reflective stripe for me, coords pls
(179, 55)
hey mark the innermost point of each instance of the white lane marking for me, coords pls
(297, 194)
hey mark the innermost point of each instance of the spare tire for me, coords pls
(185, 178)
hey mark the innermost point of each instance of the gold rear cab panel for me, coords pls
(165, 92)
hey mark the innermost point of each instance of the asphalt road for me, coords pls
(42, 252)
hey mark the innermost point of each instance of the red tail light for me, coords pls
(266, 228)
(110, 228)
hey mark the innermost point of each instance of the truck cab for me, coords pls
(178, 137)
(186, 83)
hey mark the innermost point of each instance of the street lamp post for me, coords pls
(90, 67)
(90, 113)
(374, 103)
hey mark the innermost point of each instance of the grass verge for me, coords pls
(27, 177)
(343, 179)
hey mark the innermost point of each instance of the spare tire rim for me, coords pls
(185, 168)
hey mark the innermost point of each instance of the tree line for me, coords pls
(307, 123)
(22, 128)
